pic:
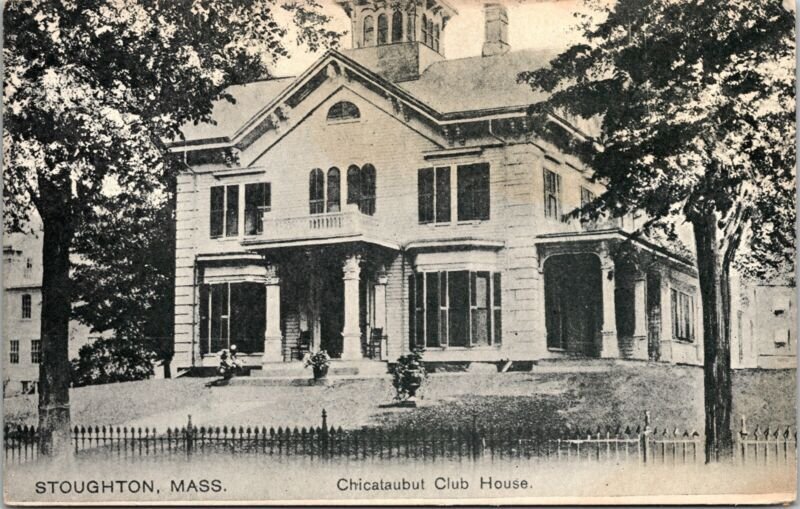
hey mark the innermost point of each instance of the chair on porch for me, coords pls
(375, 343)
(303, 345)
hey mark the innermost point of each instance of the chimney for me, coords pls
(496, 34)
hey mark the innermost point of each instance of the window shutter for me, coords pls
(443, 195)
(217, 211)
(425, 195)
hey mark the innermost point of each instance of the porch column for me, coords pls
(273, 351)
(609, 333)
(640, 308)
(380, 308)
(351, 333)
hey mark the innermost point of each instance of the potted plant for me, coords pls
(320, 362)
(408, 375)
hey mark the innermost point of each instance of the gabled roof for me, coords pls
(446, 91)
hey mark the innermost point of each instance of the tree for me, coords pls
(123, 273)
(92, 88)
(695, 105)
(112, 360)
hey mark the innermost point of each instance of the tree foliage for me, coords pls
(695, 103)
(92, 89)
(696, 107)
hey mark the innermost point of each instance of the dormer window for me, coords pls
(343, 111)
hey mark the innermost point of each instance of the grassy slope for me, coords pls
(673, 395)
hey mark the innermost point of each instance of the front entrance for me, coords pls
(331, 312)
(573, 304)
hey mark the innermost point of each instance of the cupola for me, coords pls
(398, 40)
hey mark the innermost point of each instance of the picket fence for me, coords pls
(641, 444)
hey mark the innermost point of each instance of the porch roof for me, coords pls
(618, 235)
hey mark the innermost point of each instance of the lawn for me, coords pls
(672, 394)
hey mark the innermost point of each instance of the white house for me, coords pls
(388, 198)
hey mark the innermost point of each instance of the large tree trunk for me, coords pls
(715, 296)
(54, 370)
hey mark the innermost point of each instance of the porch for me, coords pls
(611, 295)
(279, 304)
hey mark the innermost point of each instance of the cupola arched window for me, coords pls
(397, 26)
(316, 191)
(334, 193)
(369, 31)
(343, 110)
(424, 29)
(383, 29)
(429, 38)
(411, 25)
(353, 184)
(436, 37)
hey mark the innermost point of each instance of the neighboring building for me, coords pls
(388, 198)
(763, 326)
(22, 308)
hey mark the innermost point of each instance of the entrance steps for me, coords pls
(294, 373)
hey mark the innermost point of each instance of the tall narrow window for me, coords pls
(473, 192)
(26, 306)
(432, 309)
(444, 310)
(316, 192)
(369, 31)
(353, 184)
(425, 199)
(419, 309)
(217, 226)
(429, 40)
(36, 351)
(497, 301)
(367, 203)
(436, 37)
(13, 352)
(683, 315)
(443, 194)
(552, 194)
(28, 267)
(480, 308)
(334, 190)
(383, 29)
(411, 26)
(257, 201)
(424, 28)
(232, 211)
(459, 308)
(397, 26)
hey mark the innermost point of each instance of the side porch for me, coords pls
(611, 295)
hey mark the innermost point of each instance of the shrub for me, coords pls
(111, 360)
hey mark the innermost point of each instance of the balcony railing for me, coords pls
(349, 223)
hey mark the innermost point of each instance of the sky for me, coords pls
(531, 24)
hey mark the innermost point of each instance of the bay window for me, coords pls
(455, 308)
(232, 313)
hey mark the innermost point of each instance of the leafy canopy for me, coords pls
(696, 106)
(93, 87)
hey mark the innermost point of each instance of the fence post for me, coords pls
(189, 437)
(324, 432)
(645, 438)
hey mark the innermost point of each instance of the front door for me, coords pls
(332, 314)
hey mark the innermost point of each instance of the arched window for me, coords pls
(397, 26)
(316, 191)
(424, 29)
(367, 204)
(343, 110)
(429, 38)
(383, 29)
(353, 184)
(436, 37)
(333, 190)
(411, 25)
(369, 29)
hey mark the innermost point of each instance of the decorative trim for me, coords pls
(451, 152)
(237, 173)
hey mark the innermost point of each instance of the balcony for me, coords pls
(349, 225)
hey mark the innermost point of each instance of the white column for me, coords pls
(351, 333)
(640, 308)
(610, 343)
(380, 309)
(273, 340)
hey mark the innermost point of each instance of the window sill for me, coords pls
(463, 348)
(556, 350)
(344, 121)
(684, 341)
(471, 222)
